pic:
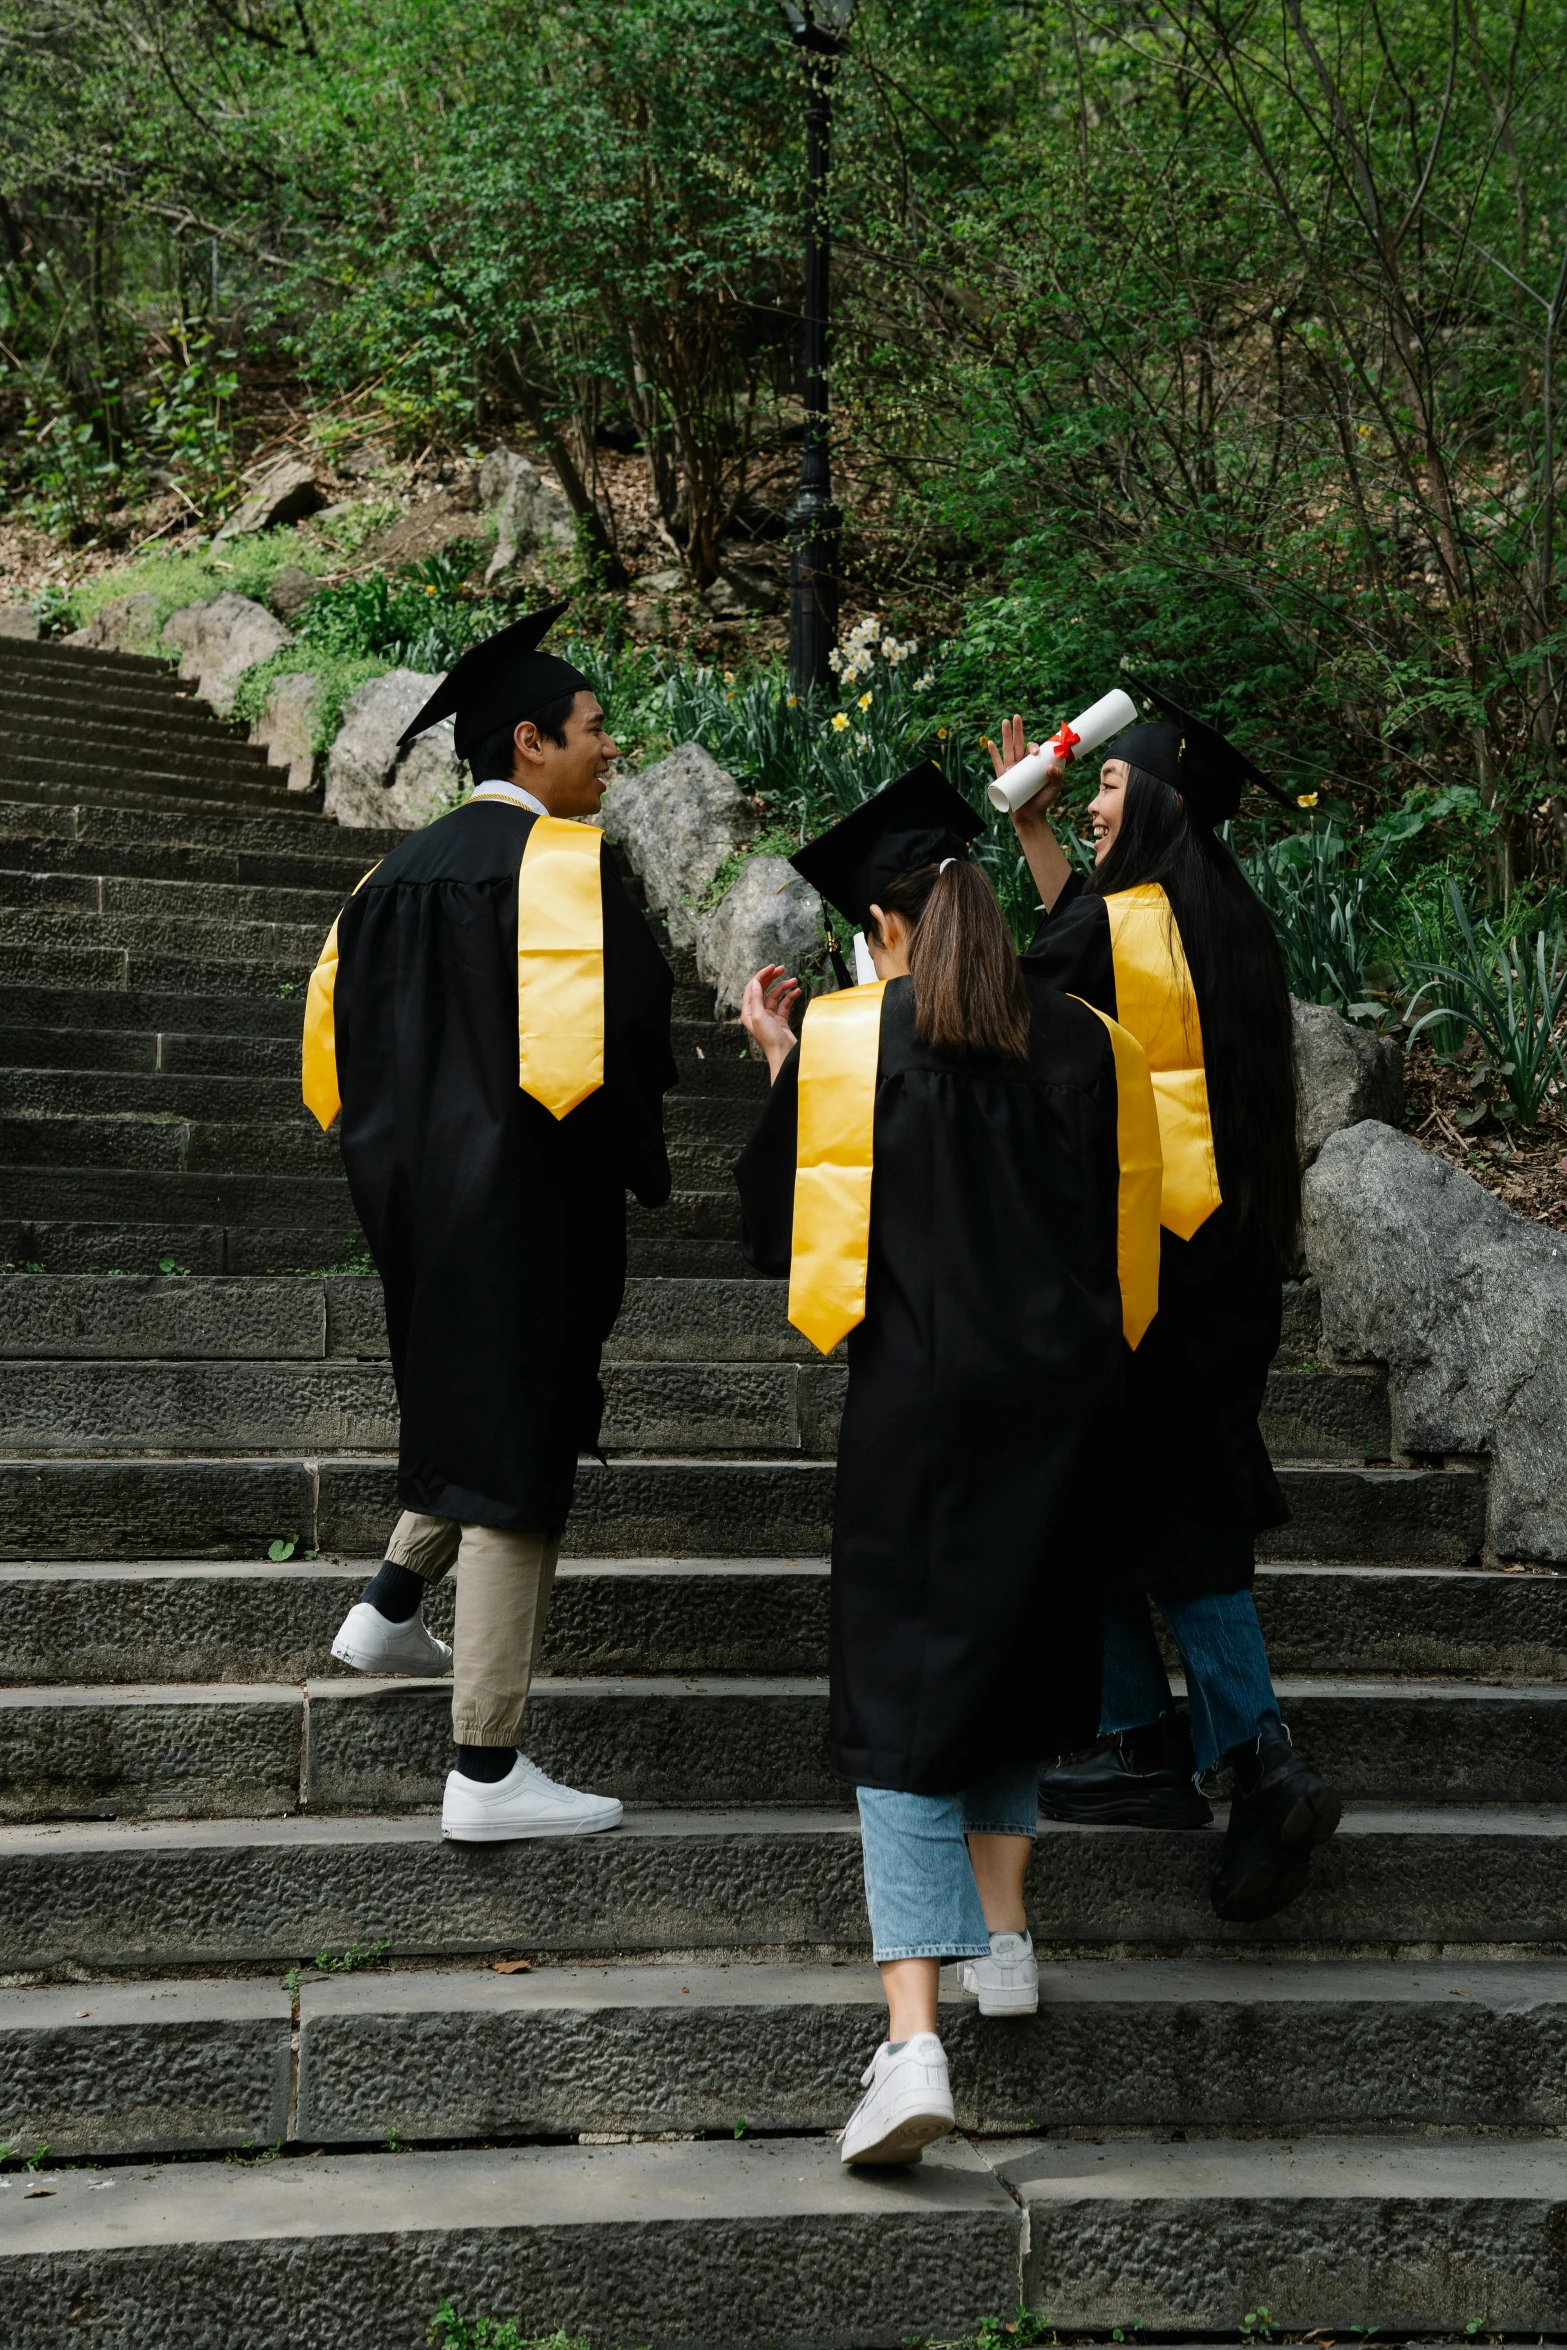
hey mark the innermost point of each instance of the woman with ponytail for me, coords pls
(960, 1174)
(1168, 936)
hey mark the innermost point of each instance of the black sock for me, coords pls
(486, 1763)
(394, 1592)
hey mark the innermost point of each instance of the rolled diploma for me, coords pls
(1104, 718)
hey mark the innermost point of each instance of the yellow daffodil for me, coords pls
(1305, 799)
(794, 701)
(941, 734)
(865, 701)
(840, 722)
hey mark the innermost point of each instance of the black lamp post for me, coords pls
(820, 27)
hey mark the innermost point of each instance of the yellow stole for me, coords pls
(1142, 1170)
(560, 977)
(1155, 999)
(840, 1044)
(320, 1050)
(560, 965)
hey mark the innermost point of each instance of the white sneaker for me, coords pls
(369, 1642)
(908, 2103)
(524, 1803)
(1007, 1982)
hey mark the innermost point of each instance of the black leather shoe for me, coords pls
(1139, 1778)
(1281, 1809)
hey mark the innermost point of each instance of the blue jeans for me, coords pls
(919, 1884)
(1229, 1689)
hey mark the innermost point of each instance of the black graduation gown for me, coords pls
(1194, 1484)
(499, 1231)
(967, 1619)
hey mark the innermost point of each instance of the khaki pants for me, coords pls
(504, 1582)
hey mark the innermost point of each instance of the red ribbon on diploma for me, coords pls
(1064, 744)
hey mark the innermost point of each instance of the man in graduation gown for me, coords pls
(494, 1013)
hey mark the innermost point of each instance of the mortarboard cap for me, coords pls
(1193, 758)
(915, 821)
(499, 683)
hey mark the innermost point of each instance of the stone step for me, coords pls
(52, 1506)
(43, 1052)
(181, 1621)
(114, 1011)
(44, 1067)
(243, 1750)
(124, 746)
(235, 1507)
(752, 2246)
(1319, 1416)
(335, 867)
(1357, 2235)
(151, 1895)
(43, 701)
(40, 711)
(87, 893)
(74, 1117)
(224, 845)
(1206, 2047)
(169, 1198)
(189, 937)
(92, 967)
(66, 781)
(172, 1621)
(695, 1404)
(84, 665)
(161, 1140)
(261, 1320)
(331, 1241)
(72, 1407)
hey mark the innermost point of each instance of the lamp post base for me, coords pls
(813, 590)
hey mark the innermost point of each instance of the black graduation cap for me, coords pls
(915, 821)
(1193, 758)
(499, 683)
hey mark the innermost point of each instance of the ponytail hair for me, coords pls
(969, 997)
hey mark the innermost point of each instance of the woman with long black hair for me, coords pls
(1168, 936)
(960, 1172)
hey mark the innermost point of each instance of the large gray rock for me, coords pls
(286, 728)
(1466, 1303)
(678, 821)
(128, 625)
(527, 509)
(366, 782)
(19, 620)
(1345, 1074)
(768, 915)
(222, 638)
(287, 493)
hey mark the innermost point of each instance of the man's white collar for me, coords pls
(509, 791)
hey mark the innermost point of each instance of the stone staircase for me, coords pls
(117, 730)
(1352, 2115)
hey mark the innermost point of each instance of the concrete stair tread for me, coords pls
(630, 2241)
(1241, 2169)
(752, 1687)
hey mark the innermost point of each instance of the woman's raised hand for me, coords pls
(764, 1012)
(1015, 747)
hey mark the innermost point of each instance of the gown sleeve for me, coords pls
(639, 1062)
(1071, 949)
(765, 1175)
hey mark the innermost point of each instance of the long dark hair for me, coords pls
(968, 992)
(1242, 1002)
